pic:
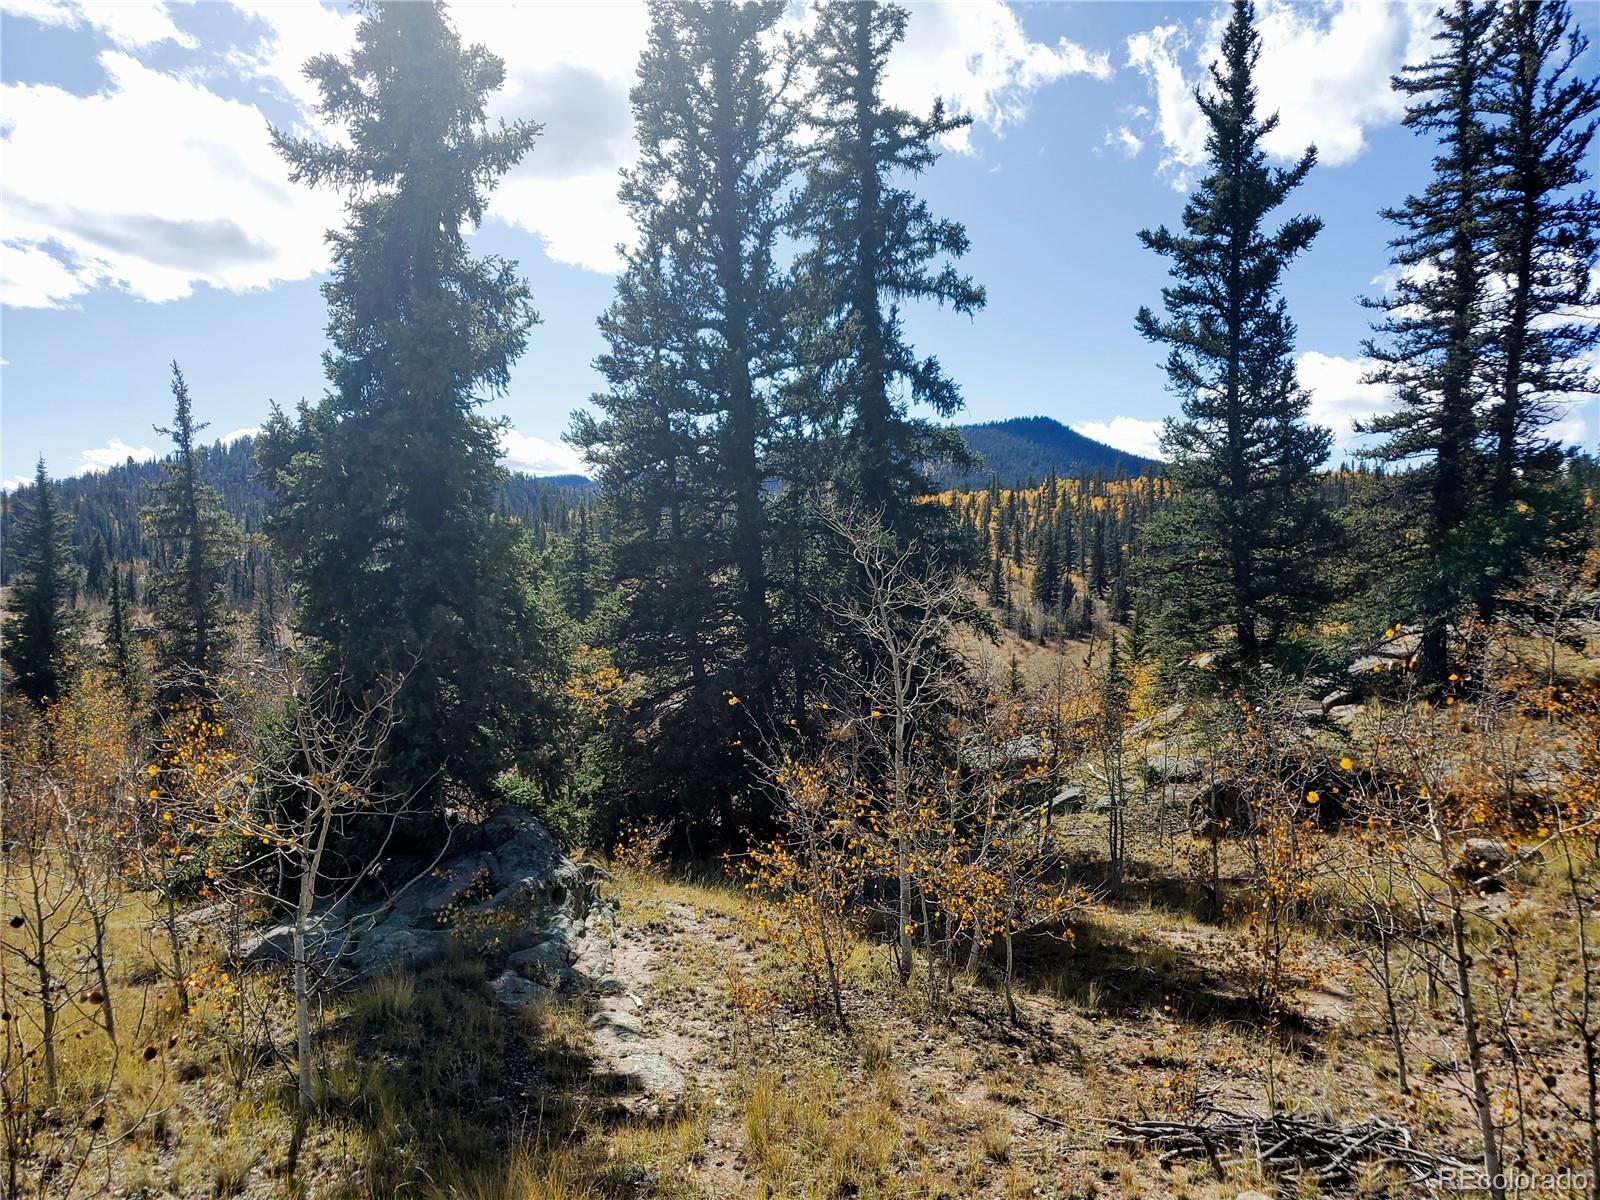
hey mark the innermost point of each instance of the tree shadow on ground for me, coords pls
(1106, 970)
(454, 1093)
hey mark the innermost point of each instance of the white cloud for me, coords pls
(157, 183)
(572, 72)
(131, 24)
(1339, 398)
(1124, 141)
(1177, 122)
(112, 454)
(579, 220)
(522, 452)
(153, 185)
(290, 35)
(1324, 68)
(32, 277)
(568, 66)
(1578, 426)
(233, 435)
(977, 56)
(1133, 434)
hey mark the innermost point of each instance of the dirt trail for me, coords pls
(661, 1025)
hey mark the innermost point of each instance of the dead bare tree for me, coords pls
(900, 612)
(303, 770)
(1450, 801)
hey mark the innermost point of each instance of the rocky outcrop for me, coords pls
(508, 869)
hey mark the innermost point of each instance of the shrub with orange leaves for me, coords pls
(808, 880)
(639, 848)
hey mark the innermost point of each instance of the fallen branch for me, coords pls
(1292, 1147)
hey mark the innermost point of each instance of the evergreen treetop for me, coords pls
(42, 630)
(1239, 551)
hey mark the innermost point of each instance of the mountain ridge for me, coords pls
(1019, 450)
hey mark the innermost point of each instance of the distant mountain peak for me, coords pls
(1023, 449)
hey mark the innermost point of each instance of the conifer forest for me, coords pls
(813, 795)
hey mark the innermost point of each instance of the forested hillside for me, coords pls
(765, 818)
(1024, 450)
(106, 531)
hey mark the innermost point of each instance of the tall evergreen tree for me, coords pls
(42, 631)
(697, 346)
(1431, 338)
(579, 566)
(872, 245)
(1099, 575)
(1047, 567)
(386, 489)
(1240, 545)
(196, 542)
(119, 652)
(1544, 244)
(997, 590)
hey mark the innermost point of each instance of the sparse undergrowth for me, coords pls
(430, 1088)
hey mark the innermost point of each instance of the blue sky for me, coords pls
(146, 219)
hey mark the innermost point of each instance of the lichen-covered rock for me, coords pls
(509, 868)
(528, 864)
(514, 991)
(652, 1074)
(396, 943)
(545, 963)
(1481, 862)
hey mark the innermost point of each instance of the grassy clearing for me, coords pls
(430, 1089)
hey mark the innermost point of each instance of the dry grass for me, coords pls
(428, 1088)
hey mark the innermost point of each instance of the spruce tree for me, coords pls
(996, 592)
(119, 652)
(1431, 339)
(697, 348)
(579, 567)
(266, 609)
(1047, 568)
(871, 245)
(196, 542)
(94, 572)
(1237, 553)
(1098, 575)
(386, 489)
(42, 631)
(1544, 114)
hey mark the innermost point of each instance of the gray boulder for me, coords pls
(613, 1025)
(510, 863)
(547, 962)
(528, 865)
(397, 943)
(653, 1075)
(1481, 862)
(514, 991)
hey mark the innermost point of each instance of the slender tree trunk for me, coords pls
(1011, 1004)
(47, 999)
(108, 1018)
(1394, 1015)
(175, 946)
(1591, 1075)
(1216, 875)
(1482, 1102)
